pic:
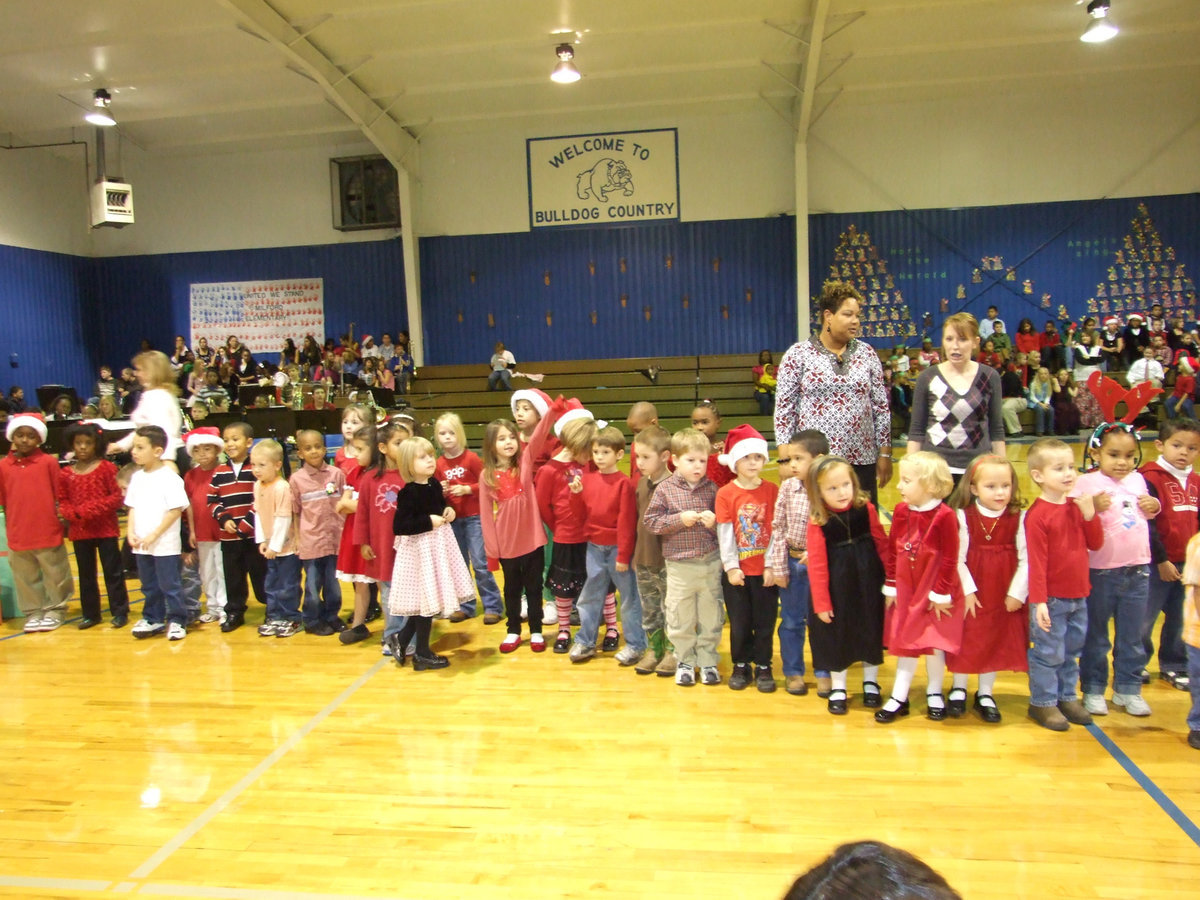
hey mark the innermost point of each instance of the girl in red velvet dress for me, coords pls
(924, 595)
(994, 570)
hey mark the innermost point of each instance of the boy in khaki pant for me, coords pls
(681, 513)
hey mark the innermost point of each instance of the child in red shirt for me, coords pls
(29, 495)
(89, 499)
(378, 489)
(204, 445)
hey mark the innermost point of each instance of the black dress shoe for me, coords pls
(837, 702)
(988, 712)
(85, 623)
(957, 706)
(120, 621)
(233, 623)
(872, 699)
(887, 716)
(935, 713)
(420, 663)
(355, 634)
(610, 643)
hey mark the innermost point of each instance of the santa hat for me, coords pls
(1137, 316)
(741, 442)
(1189, 364)
(367, 337)
(540, 400)
(573, 412)
(198, 437)
(34, 420)
(1112, 320)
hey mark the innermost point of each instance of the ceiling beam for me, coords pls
(388, 136)
(812, 62)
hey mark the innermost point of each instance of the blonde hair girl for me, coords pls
(846, 553)
(157, 405)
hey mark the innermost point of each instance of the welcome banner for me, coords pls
(608, 178)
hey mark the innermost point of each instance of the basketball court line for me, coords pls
(1178, 816)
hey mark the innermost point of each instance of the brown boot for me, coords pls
(1049, 717)
(1074, 712)
(824, 686)
(795, 685)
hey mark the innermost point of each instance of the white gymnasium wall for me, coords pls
(43, 194)
(1133, 136)
(229, 201)
(736, 166)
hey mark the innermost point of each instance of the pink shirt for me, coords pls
(1126, 532)
(315, 495)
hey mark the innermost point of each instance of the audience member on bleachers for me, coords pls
(1041, 397)
(402, 365)
(16, 399)
(1053, 355)
(1145, 368)
(244, 366)
(310, 355)
(387, 350)
(1134, 338)
(214, 397)
(929, 355)
(106, 385)
(107, 408)
(988, 324)
(501, 363)
(1013, 399)
(1066, 410)
(1180, 401)
(1026, 340)
(289, 355)
(350, 365)
(1001, 341)
(1112, 345)
(204, 353)
(369, 348)
(61, 409)
(181, 354)
(764, 382)
(1175, 333)
(318, 399)
(834, 383)
(989, 357)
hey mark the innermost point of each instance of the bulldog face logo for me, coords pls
(605, 177)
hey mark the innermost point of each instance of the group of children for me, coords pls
(693, 537)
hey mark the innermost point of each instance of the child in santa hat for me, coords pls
(204, 446)
(528, 407)
(29, 495)
(744, 512)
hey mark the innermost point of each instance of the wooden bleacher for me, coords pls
(607, 387)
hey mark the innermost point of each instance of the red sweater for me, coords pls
(1028, 343)
(29, 495)
(1178, 520)
(1185, 386)
(1058, 539)
(197, 481)
(90, 502)
(374, 520)
(508, 510)
(563, 512)
(461, 469)
(611, 512)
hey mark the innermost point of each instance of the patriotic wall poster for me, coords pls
(610, 178)
(263, 314)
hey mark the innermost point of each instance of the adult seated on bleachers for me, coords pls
(1148, 368)
(501, 363)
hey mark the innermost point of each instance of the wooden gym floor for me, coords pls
(235, 766)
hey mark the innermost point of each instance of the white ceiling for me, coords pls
(194, 76)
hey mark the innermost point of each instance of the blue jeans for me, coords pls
(1053, 666)
(1119, 594)
(602, 567)
(503, 376)
(190, 587)
(283, 588)
(1193, 657)
(794, 603)
(1043, 419)
(1165, 597)
(161, 588)
(469, 533)
(322, 591)
(1186, 407)
(392, 624)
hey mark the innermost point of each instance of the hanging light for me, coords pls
(100, 114)
(565, 72)
(1101, 27)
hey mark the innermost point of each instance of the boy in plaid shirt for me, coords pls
(682, 513)
(787, 556)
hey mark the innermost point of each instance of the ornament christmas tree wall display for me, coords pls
(1144, 271)
(856, 261)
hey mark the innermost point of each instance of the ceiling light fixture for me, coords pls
(1101, 27)
(101, 115)
(565, 72)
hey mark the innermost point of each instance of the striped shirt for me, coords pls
(231, 499)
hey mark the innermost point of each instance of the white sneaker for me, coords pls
(627, 656)
(268, 628)
(176, 632)
(209, 617)
(685, 676)
(1132, 704)
(549, 614)
(1094, 703)
(50, 622)
(33, 623)
(144, 629)
(709, 675)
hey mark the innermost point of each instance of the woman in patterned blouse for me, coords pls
(834, 384)
(956, 405)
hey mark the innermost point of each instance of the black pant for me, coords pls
(419, 626)
(524, 573)
(868, 481)
(752, 610)
(109, 551)
(239, 559)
